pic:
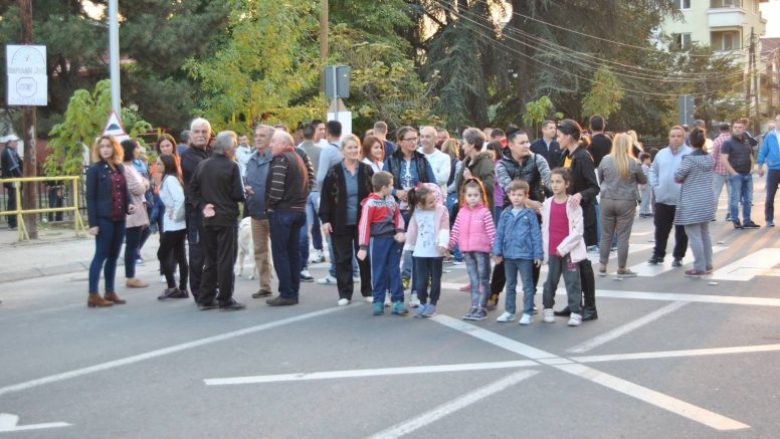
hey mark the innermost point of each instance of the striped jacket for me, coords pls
(379, 217)
(697, 202)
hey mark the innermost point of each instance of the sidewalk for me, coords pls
(57, 251)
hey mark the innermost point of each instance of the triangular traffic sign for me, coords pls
(114, 128)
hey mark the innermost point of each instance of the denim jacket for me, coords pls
(519, 236)
(256, 177)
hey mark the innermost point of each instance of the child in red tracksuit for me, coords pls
(380, 234)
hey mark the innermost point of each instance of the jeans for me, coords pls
(718, 181)
(285, 249)
(384, 254)
(617, 218)
(741, 190)
(132, 244)
(344, 246)
(701, 245)
(558, 266)
(425, 268)
(526, 269)
(303, 243)
(170, 253)
(108, 243)
(220, 244)
(478, 269)
(772, 180)
(664, 221)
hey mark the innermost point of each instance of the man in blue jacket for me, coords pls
(256, 179)
(770, 154)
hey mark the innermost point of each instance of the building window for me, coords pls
(725, 40)
(681, 41)
(725, 3)
(682, 4)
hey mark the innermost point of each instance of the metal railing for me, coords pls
(19, 211)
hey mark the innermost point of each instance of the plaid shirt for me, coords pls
(719, 168)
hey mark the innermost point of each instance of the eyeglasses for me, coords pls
(411, 139)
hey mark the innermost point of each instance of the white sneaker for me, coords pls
(549, 315)
(316, 257)
(526, 319)
(575, 319)
(414, 302)
(343, 302)
(505, 317)
(355, 279)
(162, 279)
(388, 301)
(327, 280)
(369, 299)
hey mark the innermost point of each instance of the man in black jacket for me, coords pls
(547, 146)
(600, 144)
(216, 190)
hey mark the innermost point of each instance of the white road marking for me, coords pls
(627, 328)
(755, 264)
(648, 270)
(361, 373)
(657, 399)
(675, 354)
(660, 400)
(460, 403)
(9, 423)
(162, 352)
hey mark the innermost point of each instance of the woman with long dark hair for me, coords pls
(165, 145)
(171, 249)
(137, 186)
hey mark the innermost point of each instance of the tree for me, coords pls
(538, 111)
(604, 96)
(84, 121)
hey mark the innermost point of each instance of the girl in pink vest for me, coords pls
(474, 233)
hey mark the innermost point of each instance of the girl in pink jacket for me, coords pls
(474, 233)
(427, 237)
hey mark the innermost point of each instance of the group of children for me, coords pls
(517, 240)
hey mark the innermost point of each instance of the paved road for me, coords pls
(669, 357)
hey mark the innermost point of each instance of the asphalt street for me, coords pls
(668, 357)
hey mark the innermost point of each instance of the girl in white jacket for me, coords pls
(562, 228)
(175, 230)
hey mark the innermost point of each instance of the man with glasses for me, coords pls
(770, 154)
(409, 168)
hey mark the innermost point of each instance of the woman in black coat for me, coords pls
(345, 186)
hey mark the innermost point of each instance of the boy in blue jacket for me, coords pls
(519, 244)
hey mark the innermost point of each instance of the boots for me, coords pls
(112, 297)
(134, 282)
(95, 301)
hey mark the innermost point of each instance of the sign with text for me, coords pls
(28, 83)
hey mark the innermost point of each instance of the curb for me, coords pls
(53, 270)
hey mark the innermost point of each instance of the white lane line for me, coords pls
(460, 403)
(657, 399)
(627, 328)
(675, 354)
(492, 338)
(752, 265)
(360, 373)
(644, 269)
(660, 400)
(162, 352)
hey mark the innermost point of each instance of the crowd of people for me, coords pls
(393, 214)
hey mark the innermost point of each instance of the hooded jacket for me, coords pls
(518, 235)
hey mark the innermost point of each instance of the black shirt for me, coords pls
(740, 153)
(600, 146)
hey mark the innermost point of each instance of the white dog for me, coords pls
(246, 247)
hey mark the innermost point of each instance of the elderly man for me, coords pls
(257, 169)
(216, 190)
(440, 162)
(287, 192)
(200, 134)
(12, 168)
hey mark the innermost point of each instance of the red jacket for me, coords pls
(379, 217)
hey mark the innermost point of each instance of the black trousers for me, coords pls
(344, 244)
(170, 253)
(220, 244)
(11, 191)
(664, 221)
(587, 283)
(196, 252)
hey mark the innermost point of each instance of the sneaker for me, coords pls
(139, 261)
(281, 301)
(327, 280)
(480, 314)
(261, 293)
(728, 217)
(369, 299)
(677, 262)
(770, 223)
(414, 301)
(505, 317)
(316, 257)
(625, 273)
(549, 316)
(654, 260)
(470, 314)
(457, 262)
(343, 302)
(466, 288)
(694, 273)
(430, 310)
(378, 309)
(399, 309)
(526, 319)
(751, 225)
(419, 312)
(575, 319)
(306, 276)
(162, 279)
(737, 225)
(231, 306)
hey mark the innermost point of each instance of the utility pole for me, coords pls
(323, 41)
(29, 190)
(113, 54)
(749, 73)
(756, 91)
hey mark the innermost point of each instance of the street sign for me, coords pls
(27, 80)
(337, 81)
(114, 128)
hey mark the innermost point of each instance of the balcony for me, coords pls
(726, 13)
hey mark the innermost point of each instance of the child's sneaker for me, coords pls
(505, 317)
(379, 309)
(420, 311)
(575, 319)
(470, 315)
(430, 310)
(481, 314)
(549, 315)
(526, 319)
(399, 309)
(414, 301)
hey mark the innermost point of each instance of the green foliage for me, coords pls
(85, 119)
(604, 96)
(537, 112)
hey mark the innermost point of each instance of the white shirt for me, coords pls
(172, 196)
(441, 164)
(243, 153)
(425, 246)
